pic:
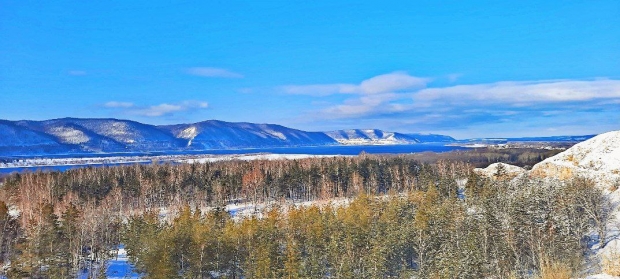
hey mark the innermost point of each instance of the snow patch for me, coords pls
(69, 135)
(190, 133)
(120, 267)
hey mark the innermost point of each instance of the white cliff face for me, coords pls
(597, 158)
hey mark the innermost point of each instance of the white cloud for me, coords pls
(392, 82)
(213, 72)
(157, 110)
(165, 109)
(523, 93)
(114, 104)
(321, 89)
(454, 77)
(386, 83)
(480, 103)
(361, 106)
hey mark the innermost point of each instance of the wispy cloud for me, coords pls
(213, 72)
(77, 73)
(166, 109)
(320, 89)
(523, 93)
(115, 104)
(157, 110)
(392, 82)
(364, 105)
(483, 97)
(386, 83)
(454, 77)
(501, 108)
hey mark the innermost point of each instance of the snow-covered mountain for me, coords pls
(379, 137)
(214, 134)
(75, 135)
(105, 135)
(16, 140)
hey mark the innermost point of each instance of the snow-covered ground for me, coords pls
(120, 267)
(250, 157)
(206, 158)
(243, 210)
(44, 162)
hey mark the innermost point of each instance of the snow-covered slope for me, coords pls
(130, 133)
(108, 135)
(379, 137)
(16, 140)
(597, 158)
(214, 134)
(13, 135)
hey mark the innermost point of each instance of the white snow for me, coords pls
(597, 158)
(255, 157)
(69, 135)
(276, 134)
(14, 212)
(601, 276)
(189, 133)
(365, 137)
(491, 170)
(119, 267)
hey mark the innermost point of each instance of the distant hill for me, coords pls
(214, 134)
(109, 135)
(83, 135)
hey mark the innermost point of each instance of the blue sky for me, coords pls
(462, 68)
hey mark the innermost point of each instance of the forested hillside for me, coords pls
(403, 219)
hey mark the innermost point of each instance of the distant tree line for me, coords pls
(482, 157)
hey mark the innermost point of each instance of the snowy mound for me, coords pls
(597, 158)
(497, 170)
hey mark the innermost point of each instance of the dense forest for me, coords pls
(402, 218)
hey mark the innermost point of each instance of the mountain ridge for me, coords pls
(106, 135)
(110, 135)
